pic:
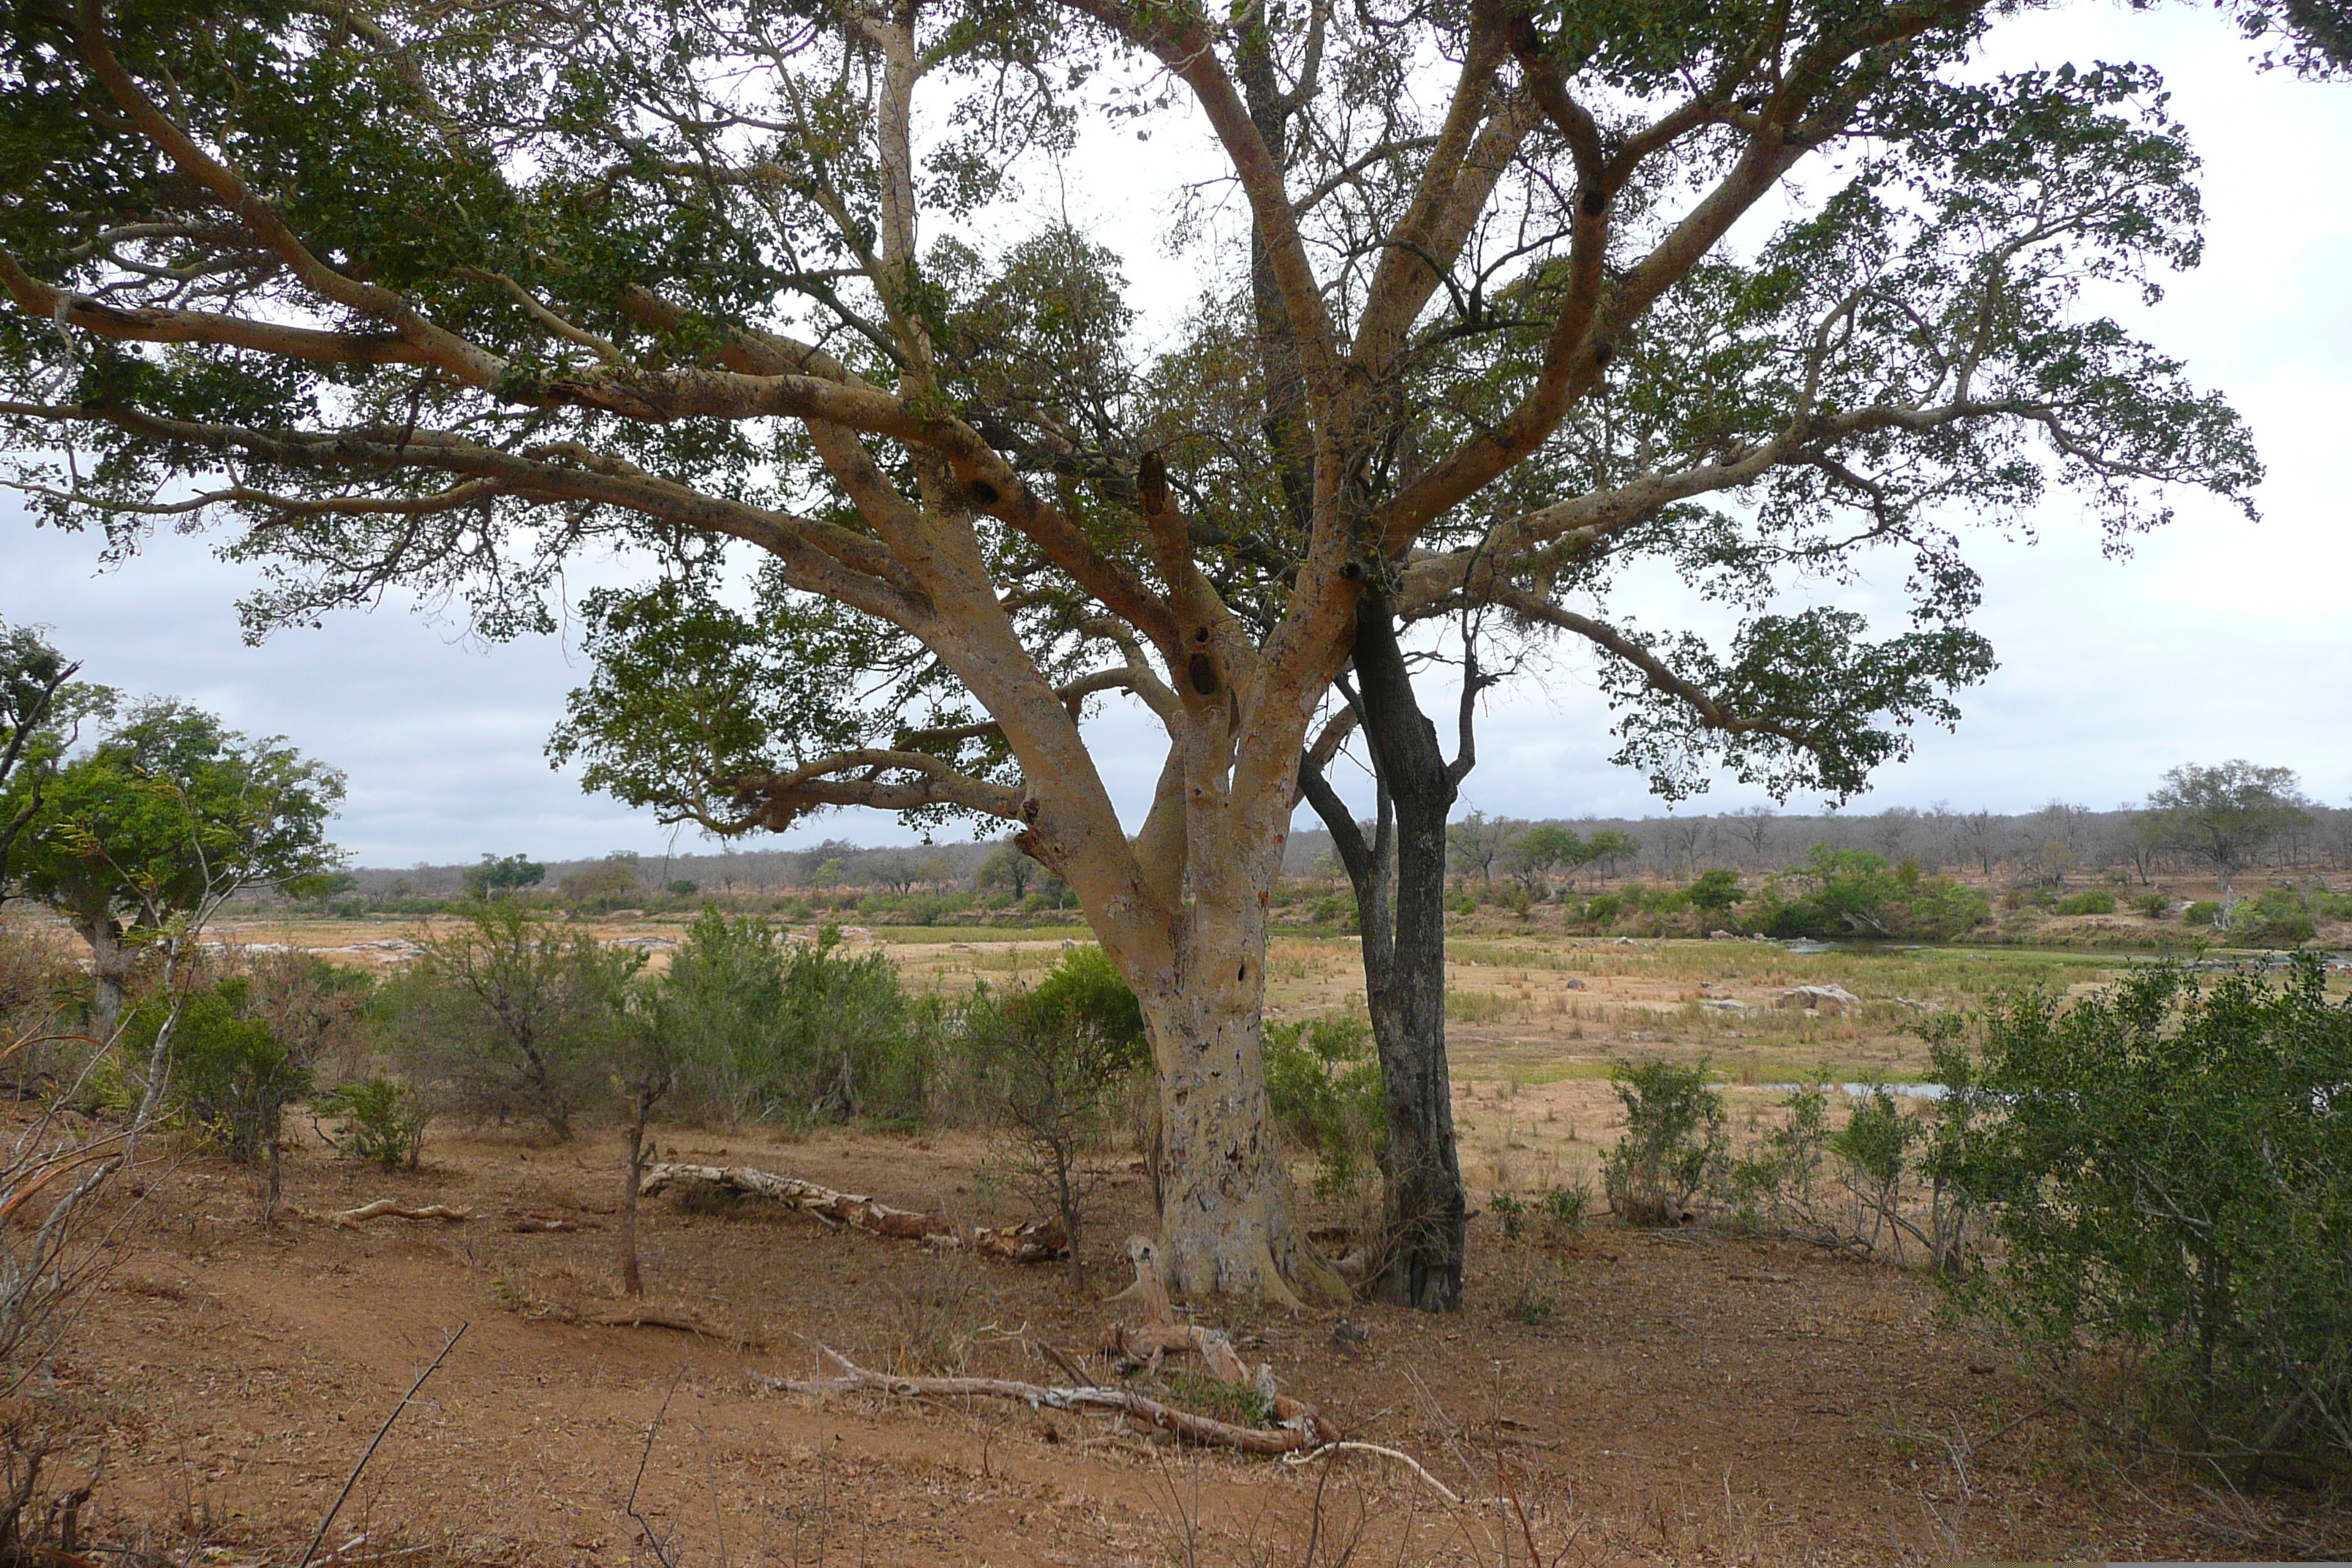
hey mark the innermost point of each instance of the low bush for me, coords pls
(507, 1016)
(775, 1029)
(1674, 1147)
(232, 1077)
(2094, 901)
(2278, 918)
(2169, 1169)
(1715, 889)
(384, 1122)
(1566, 1205)
(1852, 893)
(2203, 913)
(2155, 906)
(1324, 1081)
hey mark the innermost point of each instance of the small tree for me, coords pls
(1539, 851)
(1474, 844)
(1007, 867)
(651, 1059)
(1055, 1062)
(2227, 815)
(499, 873)
(602, 884)
(512, 1016)
(170, 809)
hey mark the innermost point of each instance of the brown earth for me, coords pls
(1678, 1398)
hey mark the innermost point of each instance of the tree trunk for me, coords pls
(110, 965)
(1225, 1221)
(632, 1284)
(1399, 886)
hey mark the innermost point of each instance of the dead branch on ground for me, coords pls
(1033, 1242)
(1304, 1432)
(382, 1208)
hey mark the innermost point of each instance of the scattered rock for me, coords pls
(1829, 1001)
(1725, 1005)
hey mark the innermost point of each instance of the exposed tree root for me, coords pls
(1299, 1435)
(1036, 1242)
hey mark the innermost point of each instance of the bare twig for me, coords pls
(382, 1432)
(653, 1542)
(1351, 1445)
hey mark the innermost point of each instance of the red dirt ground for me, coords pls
(1672, 1398)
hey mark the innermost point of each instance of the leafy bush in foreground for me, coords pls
(2170, 1171)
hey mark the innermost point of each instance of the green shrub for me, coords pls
(2094, 902)
(1716, 888)
(509, 1016)
(1602, 912)
(1324, 1082)
(384, 1123)
(1512, 1211)
(1852, 893)
(1567, 1205)
(2203, 913)
(2155, 906)
(780, 1030)
(1086, 991)
(2279, 918)
(231, 1077)
(2170, 1170)
(1673, 1141)
(1050, 1066)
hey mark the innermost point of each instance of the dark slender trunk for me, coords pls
(1400, 885)
(632, 1284)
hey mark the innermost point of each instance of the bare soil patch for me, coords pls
(1646, 1397)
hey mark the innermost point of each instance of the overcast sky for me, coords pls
(2218, 638)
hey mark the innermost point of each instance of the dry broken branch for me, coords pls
(384, 1209)
(1034, 1243)
(1299, 1434)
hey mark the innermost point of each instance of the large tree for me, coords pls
(440, 299)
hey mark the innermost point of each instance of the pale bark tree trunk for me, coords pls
(1227, 1223)
(110, 963)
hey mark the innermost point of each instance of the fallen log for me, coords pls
(1034, 1243)
(392, 1208)
(650, 1317)
(1301, 1434)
